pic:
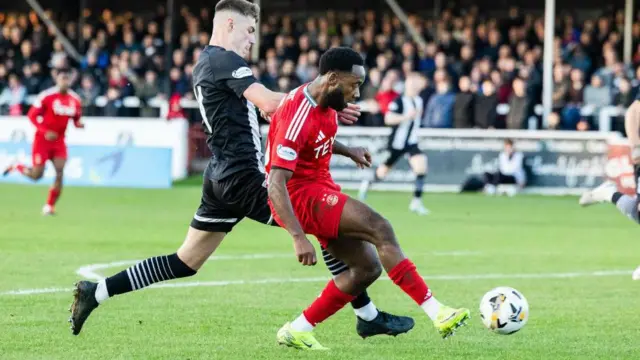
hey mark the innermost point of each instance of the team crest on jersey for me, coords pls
(331, 199)
(242, 72)
(286, 153)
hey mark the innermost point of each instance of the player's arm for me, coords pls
(279, 196)
(35, 112)
(394, 114)
(359, 155)
(77, 120)
(265, 99)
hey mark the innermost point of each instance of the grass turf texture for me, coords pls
(466, 237)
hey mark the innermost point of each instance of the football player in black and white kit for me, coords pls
(234, 184)
(608, 191)
(405, 116)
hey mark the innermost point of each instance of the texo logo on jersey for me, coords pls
(324, 148)
(63, 110)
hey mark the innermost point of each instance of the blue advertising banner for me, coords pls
(112, 166)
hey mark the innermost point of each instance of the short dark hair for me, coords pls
(339, 59)
(242, 7)
(508, 142)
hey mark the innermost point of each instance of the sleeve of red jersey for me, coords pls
(292, 132)
(35, 112)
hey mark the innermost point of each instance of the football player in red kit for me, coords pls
(304, 199)
(50, 114)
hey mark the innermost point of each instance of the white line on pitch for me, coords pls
(90, 272)
(462, 277)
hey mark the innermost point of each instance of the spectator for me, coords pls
(387, 92)
(30, 82)
(463, 108)
(517, 116)
(13, 96)
(88, 92)
(485, 107)
(560, 88)
(114, 106)
(597, 95)
(439, 112)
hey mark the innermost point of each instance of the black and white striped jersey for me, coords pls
(230, 121)
(405, 133)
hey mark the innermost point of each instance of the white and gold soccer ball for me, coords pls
(504, 310)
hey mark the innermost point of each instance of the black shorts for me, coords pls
(395, 154)
(225, 203)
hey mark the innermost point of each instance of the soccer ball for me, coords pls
(504, 310)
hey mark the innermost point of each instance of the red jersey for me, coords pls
(384, 99)
(52, 111)
(301, 137)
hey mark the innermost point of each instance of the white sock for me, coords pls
(367, 312)
(101, 292)
(302, 324)
(431, 307)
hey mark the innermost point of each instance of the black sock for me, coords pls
(337, 267)
(147, 272)
(361, 301)
(616, 196)
(419, 184)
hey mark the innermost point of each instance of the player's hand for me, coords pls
(360, 156)
(265, 115)
(304, 250)
(51, 135)
(350, 114)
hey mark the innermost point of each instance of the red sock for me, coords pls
(407, 278)
(19, 168)
(328, 303)
(53, 196)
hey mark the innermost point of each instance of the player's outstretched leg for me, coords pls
(360, 221)
(195, 250)
(34, 173)
(419, 166)
(370, 320)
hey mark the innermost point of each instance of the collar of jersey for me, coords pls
(305, 90)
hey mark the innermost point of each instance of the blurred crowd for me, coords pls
(472, 62)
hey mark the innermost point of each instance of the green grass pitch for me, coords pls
(572, 264)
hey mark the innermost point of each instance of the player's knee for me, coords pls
(37, 173)
(382, 232)
(367, 274)
(373, 271)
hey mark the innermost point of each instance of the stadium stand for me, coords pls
(484, 72)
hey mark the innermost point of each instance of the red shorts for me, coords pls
(318, 207)
(44, 150)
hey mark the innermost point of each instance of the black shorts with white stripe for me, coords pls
(226, 202)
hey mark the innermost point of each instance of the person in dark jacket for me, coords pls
(518, 105)
(463, 108)
(485, 106)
